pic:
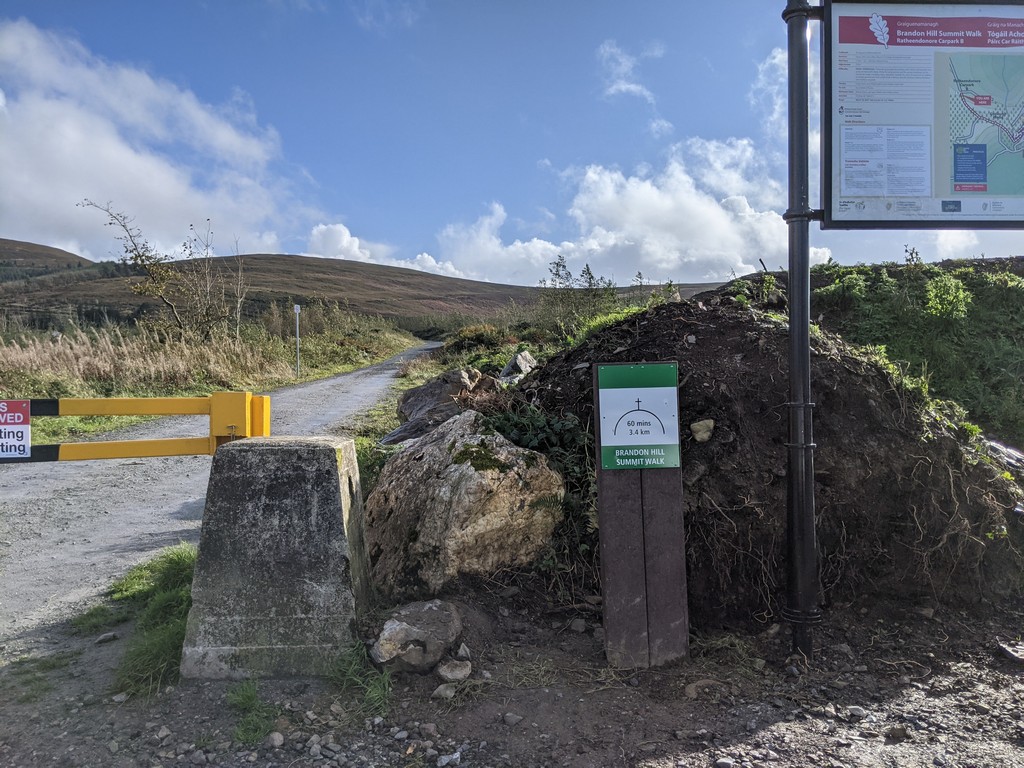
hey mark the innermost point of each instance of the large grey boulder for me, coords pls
(423, 408)
(458, 502)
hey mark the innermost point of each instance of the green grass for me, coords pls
(99, 618)
(158, 592)
(957, 328)
(170, 570)
(256, 718)
(367, 691)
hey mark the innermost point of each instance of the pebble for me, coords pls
(454, 671)
(445, 692)
(275, 739)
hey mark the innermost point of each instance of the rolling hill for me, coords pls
(36, 279)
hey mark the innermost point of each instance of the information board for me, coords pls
(639, 406)
(924, 115)
(15, 429)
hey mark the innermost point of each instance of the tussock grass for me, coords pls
(256, 718)
(367, 691)
(170, 570)
(159, 593)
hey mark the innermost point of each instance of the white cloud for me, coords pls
(660, 127)
(334, 241)
(737, 167)
(76, 126)
(672, 225)
(768, 95)
(954, 243)
(620, 72)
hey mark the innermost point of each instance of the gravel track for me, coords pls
(68, 529)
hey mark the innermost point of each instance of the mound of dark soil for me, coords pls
(905, 508)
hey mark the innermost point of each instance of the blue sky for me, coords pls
(473, 138)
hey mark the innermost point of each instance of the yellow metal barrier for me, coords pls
(232, 415)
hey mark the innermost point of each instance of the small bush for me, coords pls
(947, 298)
(846, 292)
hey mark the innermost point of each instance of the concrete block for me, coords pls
(282, 569)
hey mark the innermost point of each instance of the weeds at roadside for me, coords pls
(368, 691)
(257, 718)
(100, 617)
(159, 593)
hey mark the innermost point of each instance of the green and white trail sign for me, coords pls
(639, 409)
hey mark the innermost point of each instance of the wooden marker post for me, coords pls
(640, 514)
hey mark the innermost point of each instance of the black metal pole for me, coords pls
(801, 609)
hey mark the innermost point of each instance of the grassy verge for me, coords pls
(158, 594)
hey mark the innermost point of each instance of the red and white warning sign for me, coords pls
(15, 429)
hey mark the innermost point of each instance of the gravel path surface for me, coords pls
(68, 529)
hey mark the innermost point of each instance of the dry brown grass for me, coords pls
(112, 363)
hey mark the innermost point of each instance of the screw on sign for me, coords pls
(15, 428)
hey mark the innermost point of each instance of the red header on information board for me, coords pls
(955, 32)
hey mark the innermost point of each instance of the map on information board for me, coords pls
(986, 123)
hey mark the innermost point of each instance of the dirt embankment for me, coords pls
(903, 507)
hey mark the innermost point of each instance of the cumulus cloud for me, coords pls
(335, 241)
(672, 224)
(954, 243)
(76, 126)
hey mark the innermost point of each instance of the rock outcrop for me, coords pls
(458, 502)
(423, 408)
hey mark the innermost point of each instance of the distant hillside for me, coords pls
(20, 260)
(93, 290)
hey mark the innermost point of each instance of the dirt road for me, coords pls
(68, 529)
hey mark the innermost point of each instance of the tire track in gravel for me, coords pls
(68, 529)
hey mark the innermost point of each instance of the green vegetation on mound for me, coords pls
(957, 326)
